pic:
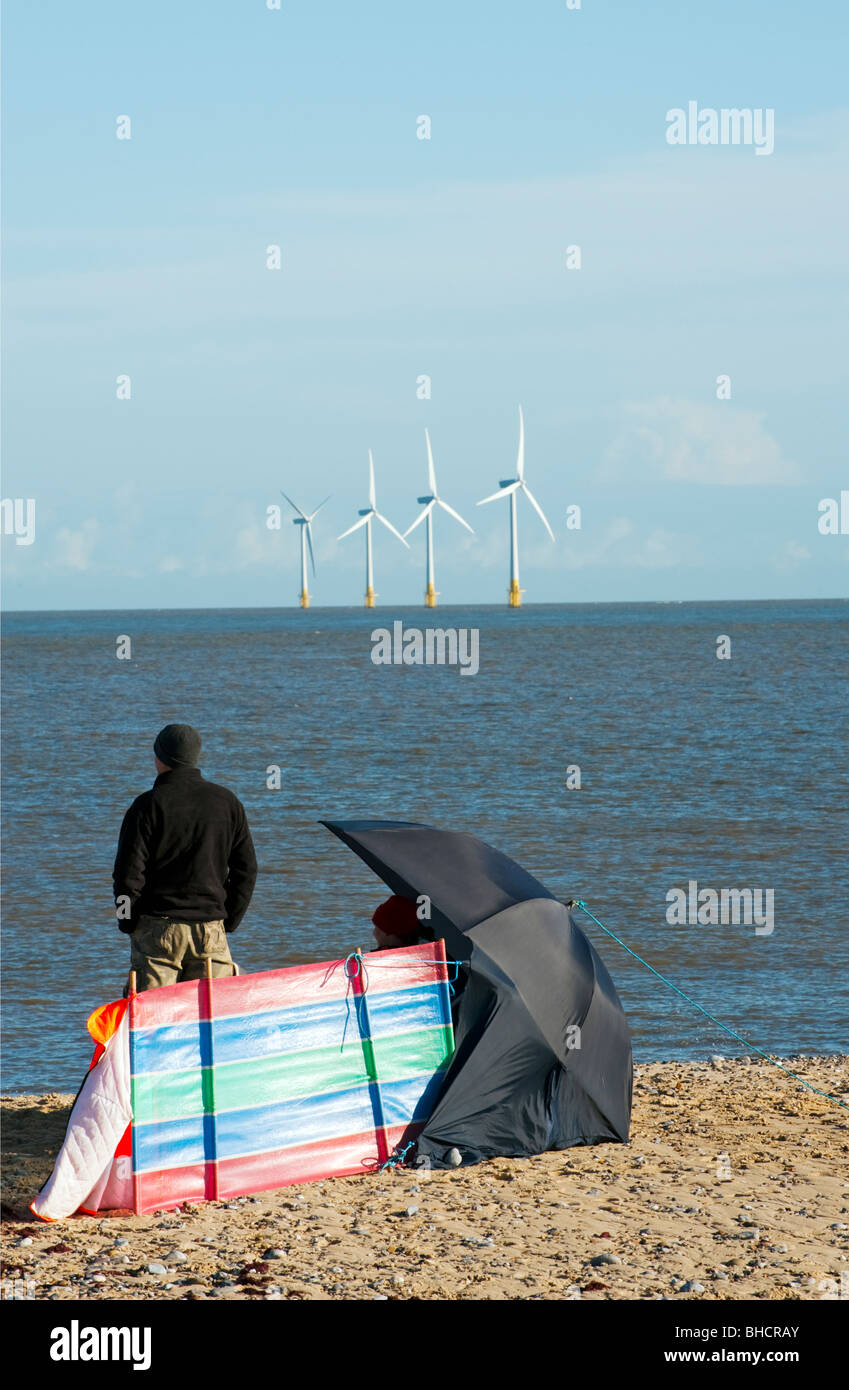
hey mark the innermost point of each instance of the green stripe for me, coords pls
(169, 1095)
(238, 1085)
(411, 1053)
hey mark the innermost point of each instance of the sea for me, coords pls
(619, 752)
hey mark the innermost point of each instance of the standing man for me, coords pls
(185, 868)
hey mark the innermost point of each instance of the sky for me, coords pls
(403, 258)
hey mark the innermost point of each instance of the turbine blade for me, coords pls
(520, 461)
(431, 475)
(309, 544)
(538, 509)
(390, 527)
(502, 492)
(318, 509)
(294, 505)
(356, 526)
(371, 493)
(419, 519)
(456, 515)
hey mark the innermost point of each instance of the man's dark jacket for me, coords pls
(185, 852)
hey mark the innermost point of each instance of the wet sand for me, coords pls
(735, 1186)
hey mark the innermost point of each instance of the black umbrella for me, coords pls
(543, 1049)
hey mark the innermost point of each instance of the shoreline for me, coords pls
(735, 1185)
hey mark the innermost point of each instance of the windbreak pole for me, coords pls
(131, 1009)
(210, 1122)
(384, 1148)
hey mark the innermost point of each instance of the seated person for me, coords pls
(396, 924)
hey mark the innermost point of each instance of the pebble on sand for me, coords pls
(539, 1252)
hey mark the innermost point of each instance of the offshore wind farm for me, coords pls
(429, 501)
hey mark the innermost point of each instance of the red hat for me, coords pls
(397, 917)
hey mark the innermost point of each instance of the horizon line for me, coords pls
(361, 608)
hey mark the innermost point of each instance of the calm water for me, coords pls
(733, 773)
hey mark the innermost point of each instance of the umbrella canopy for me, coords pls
(543, 1049)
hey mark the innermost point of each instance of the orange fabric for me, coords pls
(102, 1024)
(105, 1020)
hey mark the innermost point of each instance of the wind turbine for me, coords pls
(511, 487)
(366, 515)
(305, 523)
(431, 501)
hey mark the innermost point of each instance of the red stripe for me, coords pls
(297, 985)
(280, 989)
(330, 1158)
(170, 1187)
(168, 1004)
(242, 994)
(404, 967)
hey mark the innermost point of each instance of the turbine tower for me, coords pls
(432, 500)
(367, 515)
(305, 523)
(511, 487)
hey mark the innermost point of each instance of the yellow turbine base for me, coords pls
(430, 597)
(305, 599)
(515, 594)
(369, 597)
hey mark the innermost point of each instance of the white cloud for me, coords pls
(74, 548)
(621, 545)
(661, 550)
(253, 547)
(790, 557)
(666, 440)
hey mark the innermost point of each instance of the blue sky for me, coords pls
(401, 257)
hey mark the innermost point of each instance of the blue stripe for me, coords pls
(183, 1046)
(404, 1010)
(405, 1101)
(260, 1129)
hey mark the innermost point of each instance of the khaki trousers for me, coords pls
(164, 952)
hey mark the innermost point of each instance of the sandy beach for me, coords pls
(735, 1186)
